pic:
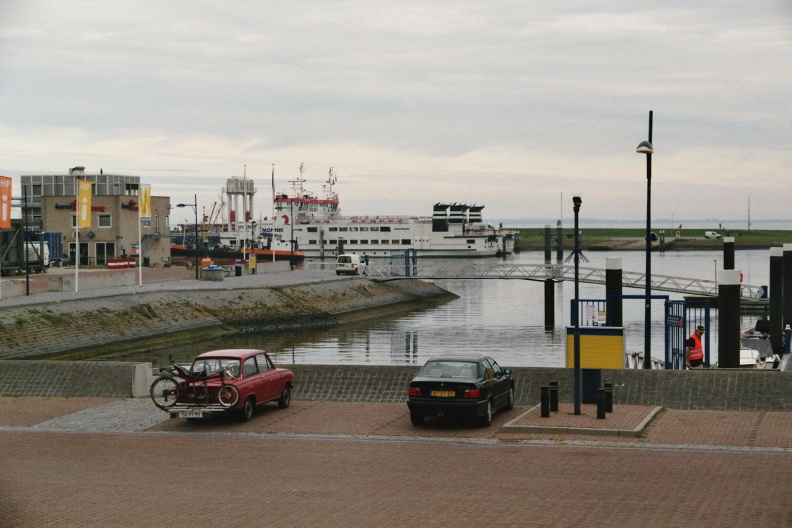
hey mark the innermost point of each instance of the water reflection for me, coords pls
(502, 318)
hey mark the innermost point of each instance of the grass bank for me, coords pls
(532, 239)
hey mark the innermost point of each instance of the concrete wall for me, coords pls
(91, 281)
(748, 390)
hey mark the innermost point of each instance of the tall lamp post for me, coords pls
(195, 208)
(645, 147)
(576, 375)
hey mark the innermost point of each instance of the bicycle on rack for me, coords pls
(194, 392)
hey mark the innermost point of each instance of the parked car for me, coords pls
(350, 264)
(461, 386)
(233, 380)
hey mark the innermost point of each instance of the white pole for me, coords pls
(140, 244)
(272, 222)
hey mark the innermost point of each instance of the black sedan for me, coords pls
(464, 386)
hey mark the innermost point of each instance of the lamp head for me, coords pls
(577, 201)
(645, 148)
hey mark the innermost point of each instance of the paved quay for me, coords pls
(159, 279)
(122, 462)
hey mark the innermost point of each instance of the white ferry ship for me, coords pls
(320, 231)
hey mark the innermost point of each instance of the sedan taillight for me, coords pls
(414, 392)
(472, 393)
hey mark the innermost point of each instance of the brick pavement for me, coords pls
(110, 462)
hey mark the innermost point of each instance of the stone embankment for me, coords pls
(161, 313)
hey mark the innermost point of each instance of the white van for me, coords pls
(38, 253)
(350, 264)
(711, 234)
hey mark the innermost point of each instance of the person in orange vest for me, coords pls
(694, 351)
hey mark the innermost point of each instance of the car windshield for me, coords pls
(450, 369)
(209, 366)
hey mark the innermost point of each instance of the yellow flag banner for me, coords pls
(84, 203)
(5, 202)
(145, 201)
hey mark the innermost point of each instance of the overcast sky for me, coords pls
(512, 104)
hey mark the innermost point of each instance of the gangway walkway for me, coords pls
(540, 272)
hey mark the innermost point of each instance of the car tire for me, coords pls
(486, 420)
(510, 401)
(246, 412)
(338, 273)
(285, 398)
(416, 418)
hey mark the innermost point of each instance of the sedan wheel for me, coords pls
(247, 411)
(416, 419)
(486, 420)
(285, 398)
(510, 402)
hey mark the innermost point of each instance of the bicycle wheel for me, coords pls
(228, 395)
(164, 392)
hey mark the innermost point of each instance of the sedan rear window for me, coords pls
(450, 369)
(209, 366)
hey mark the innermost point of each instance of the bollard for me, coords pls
(609, 397)
(600, 403)
(545, 401)
(553, 396)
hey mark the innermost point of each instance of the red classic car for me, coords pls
(234, 380)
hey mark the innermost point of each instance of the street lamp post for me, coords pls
(645, 147)
(195, 208)
(576, 375)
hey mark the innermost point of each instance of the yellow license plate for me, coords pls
(443, 394)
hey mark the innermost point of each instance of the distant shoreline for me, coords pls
(633, 239)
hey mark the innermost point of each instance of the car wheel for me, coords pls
(246, 413)
(338, 273)
(416, 418)
(486, 420)
(285, 398)
(510, 402)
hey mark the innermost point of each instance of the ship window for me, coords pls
(364, 242)
(395, 241)
(385, 228)
(374, 242)
(471, 241)
(406, 241)
(343, 229)
(375, 228)
(353, 228)
(333, 229)
(312, 229)
(353, 241)
(364, 228)
(312, 242)
(332, 242)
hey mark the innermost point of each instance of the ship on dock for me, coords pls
(319, 230)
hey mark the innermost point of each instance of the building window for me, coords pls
(36, 190)
(74, 221)
(131, 189)
(104, 251)
(105, 220)
(406, 241)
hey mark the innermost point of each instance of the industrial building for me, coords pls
(51, 207)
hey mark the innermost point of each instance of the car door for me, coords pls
(493, 376)
(270, 379)
(250, 380)
(501, 388)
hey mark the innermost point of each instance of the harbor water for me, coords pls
(502, 318)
